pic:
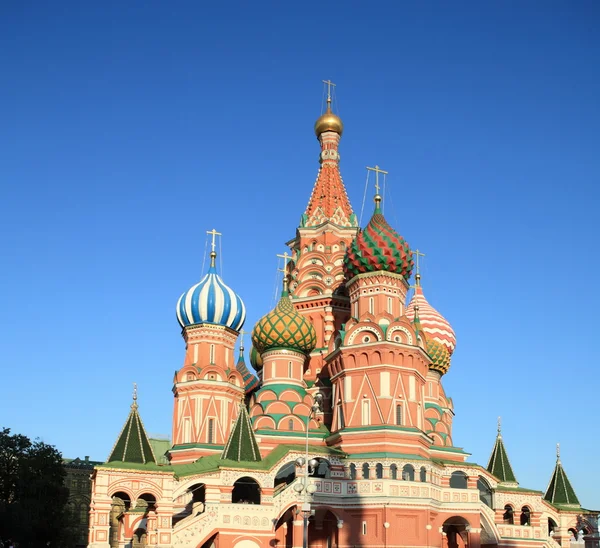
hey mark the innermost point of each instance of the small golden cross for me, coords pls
(285, 258)
(214, 234)
(329, 84)
(377, 172)
(418, 254)
(242, 333)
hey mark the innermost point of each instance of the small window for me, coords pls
(290, 370)
(190, 377)
(212, 353)
(353, 471)
(399, 414)
(408, 472)
(291, 424)
(379, 471)
(371, 305)
(365, 471)
(340, 417)
(211, 430)
(525, 516)
(364, 528)
(509, 515)
(390, 310)
(394, 471)
(485, 492)
(366, 413)
(423, 474)
(458, 480)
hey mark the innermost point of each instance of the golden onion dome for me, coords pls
(329, 122)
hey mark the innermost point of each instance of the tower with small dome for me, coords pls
(339, 432)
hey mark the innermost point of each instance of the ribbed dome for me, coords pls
(378, 247)
(211, 301)
(432, 322)
(440, 357)
(283, 327)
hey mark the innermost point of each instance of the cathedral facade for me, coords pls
(344, 436)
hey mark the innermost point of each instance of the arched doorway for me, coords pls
(456, 531)
(246, 491)
(120, 504)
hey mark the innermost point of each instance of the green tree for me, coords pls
(33, 497)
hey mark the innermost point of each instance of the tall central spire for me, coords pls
(329, 201)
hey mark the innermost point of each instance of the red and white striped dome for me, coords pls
(433, 323)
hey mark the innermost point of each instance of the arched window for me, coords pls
(423, 474)
(552, 526)
(190, 376)
(365, 470)
(485, 492)
(408, 472)
(525, 516)
(379, 471)
(394, 471)
(246, 491)
(286, 474)
(458, 480)
(353, 471)
(509, 515)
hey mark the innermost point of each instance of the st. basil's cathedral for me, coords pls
(344, 436)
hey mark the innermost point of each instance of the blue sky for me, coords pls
(128, 130)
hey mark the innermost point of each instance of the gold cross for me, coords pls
(242, 333)
(377, 172)
(418, 254)
(285, 258)
(214, 235)
(329, 84)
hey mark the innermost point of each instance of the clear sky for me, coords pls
(128, 129)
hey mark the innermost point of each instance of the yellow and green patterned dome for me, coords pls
(255, 359)
(440, 357)
(284, 328)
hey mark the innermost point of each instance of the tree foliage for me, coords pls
(33, 497)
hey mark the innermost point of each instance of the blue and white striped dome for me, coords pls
(211, 301)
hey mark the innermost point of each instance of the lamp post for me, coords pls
(304, 487)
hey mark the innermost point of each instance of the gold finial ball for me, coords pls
(329, 122)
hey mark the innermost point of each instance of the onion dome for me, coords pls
(284, 327)
(432, 322)
(255, 359)
(211, 301)
(440, 357)
(329, 122)
(378, 247)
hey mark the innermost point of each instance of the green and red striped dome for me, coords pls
(378, 247)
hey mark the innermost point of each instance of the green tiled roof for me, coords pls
(242, 446)
(159, 448)
(499, 464)
(132, 444)
(560, 490)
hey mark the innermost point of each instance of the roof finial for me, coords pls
(213, 253)
(418, 254)
(285, 258)
(377, 172)
(499, 427)
(329, 85)
(134, 404)
(242, 333)
(558, 452)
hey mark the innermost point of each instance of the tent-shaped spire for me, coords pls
(132, 444)
(499, 465)
(242, 446)
(560, 490)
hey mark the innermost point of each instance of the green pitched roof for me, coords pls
(560, 490)
(242, 446)
(132, 444)
(499, 464)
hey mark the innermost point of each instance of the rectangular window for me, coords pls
(211, 431)
(399, 414)
(371, 305)
(366, 413)
(341, 423)
(412, 392)
(364, 528)
(290, 370)
(384, 379)
(356, 309)
(212, 353)
(348, 388)
(187, 430)
(390, 309)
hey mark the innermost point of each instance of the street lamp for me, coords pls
(308, 465)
